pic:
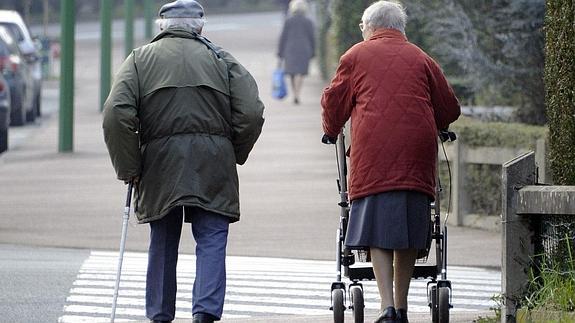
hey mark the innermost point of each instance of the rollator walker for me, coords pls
(351, 297)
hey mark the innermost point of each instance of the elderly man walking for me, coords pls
(181, 114)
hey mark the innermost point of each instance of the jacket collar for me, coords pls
(182, 33)
(388, 33)
(175, 33)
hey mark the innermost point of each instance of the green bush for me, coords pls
(560, 88)
(552, 282)
(497, 134)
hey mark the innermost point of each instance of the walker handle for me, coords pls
(446, 135)
(328, 140)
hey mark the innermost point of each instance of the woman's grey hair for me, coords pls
(190, 24)
(385, 14)
(298, 6)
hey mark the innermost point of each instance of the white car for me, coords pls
(18, 74)
(4, 113)
(12, 21)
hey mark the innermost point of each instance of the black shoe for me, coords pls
(402, 316)
(204, 318)
(388, 315)
(296, 101)
(157, 321)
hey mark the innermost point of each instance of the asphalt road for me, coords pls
(36, 282)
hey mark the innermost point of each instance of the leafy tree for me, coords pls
(494, 44)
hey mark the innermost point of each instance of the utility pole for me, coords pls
(148, 19)
(27, 5)
(105, 50)
(66, 118)
(46, 17)
(129, 19)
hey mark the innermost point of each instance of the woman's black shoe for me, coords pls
(388, 315)
(402, 316)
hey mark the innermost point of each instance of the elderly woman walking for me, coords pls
(297, 45)
(397, 98)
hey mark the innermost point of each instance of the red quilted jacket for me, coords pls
(398, 99)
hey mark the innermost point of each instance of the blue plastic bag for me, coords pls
(279, 87)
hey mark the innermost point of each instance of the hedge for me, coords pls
(346, 18)
(338, 30)
(325, 43)
(498, 134)
(560, 88)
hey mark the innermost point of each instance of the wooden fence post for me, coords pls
(458, 181)
(540, 160)
(517, 243)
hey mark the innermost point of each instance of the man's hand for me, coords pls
(134, 180)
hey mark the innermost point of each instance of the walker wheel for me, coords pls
(356, 294)
(444, 306)
(337, 305)
(434, 306)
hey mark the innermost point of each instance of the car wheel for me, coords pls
(31, 115)
(17, 114)
(3, 140)
(38, 105)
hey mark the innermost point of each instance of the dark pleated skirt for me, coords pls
(389, 220)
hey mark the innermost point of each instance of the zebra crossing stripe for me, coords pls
(256, 287)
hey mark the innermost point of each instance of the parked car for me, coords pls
(15, 24)
(4, 113)
(16, 71)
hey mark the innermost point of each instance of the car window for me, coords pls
(3, 49)
(8, 41)
(14, 29)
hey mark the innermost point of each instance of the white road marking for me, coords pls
(255, 287)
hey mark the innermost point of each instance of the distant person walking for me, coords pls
(181, 114)
(398, 99)
(297, 45)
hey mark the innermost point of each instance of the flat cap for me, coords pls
(182, 9)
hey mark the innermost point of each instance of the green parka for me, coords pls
(180, 116)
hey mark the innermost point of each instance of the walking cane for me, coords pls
(125, 219)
